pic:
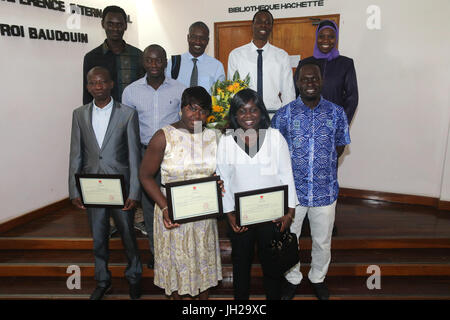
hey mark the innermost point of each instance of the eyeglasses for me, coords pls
(197, 108)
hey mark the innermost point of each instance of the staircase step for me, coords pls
(373, 256)
(340, 288)
(344, 243)
(118, 269)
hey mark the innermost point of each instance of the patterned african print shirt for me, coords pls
(312, 136)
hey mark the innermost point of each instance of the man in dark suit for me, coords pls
(105, 140)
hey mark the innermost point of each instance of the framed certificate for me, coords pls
(262, 205)
(193, 200)
(101, 190)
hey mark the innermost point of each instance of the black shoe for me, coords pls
(151, 263)
(321, 291)
(100, 292)
(112, 231)
(288, 290)
(135, 290)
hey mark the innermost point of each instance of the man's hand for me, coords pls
(78, 203)
(129, 204)
(232, 220)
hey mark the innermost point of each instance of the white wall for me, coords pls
(445, 188)
(41, 83)
(399, 133)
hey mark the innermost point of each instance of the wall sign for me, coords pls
(278, 6)
(58, 5)
(7, 30)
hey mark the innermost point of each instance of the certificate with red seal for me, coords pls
(101, 190)
(261, 205)
(195, 199)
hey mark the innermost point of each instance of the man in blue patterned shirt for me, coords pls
(316, 131)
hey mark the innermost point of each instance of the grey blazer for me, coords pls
(119, 154)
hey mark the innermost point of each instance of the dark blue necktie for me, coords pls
(260, 73)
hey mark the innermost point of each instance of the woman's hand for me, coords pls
(286, 220)
(232, 220)
(221, 185)
(167, 222)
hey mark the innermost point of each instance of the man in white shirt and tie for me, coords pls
(268, 66)
(196, 68)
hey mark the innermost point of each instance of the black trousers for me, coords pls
(243, 248)
(99, 222)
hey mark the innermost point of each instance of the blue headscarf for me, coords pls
(334, 53)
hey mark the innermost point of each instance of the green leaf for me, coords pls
(236, 76)
(247, 79)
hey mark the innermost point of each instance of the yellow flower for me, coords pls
(216, 108)
(230, 87)
(210, 119)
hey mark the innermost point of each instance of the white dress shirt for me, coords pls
(270, 167)
(100, 120)
(209, 70)
(277, 72)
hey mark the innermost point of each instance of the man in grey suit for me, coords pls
(105, 140)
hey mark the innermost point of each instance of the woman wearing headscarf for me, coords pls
(339, 76)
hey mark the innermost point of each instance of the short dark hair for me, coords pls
(114, 9)
(260, 11)
(196, 95)
(155, 46)
(99, 69)
(309, 63)
(243, 97)
(199, 24)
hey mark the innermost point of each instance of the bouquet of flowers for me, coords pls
(221, 93)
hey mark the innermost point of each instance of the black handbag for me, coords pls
(283, 251)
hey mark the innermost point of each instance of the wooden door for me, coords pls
(294, 35)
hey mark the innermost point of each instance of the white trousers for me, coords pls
(321, 221)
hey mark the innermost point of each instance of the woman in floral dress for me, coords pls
(187, 255)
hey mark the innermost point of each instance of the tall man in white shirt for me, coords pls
(268, 66)
(196, 68)
(157, 100)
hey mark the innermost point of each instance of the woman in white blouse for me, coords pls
(253, 156)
